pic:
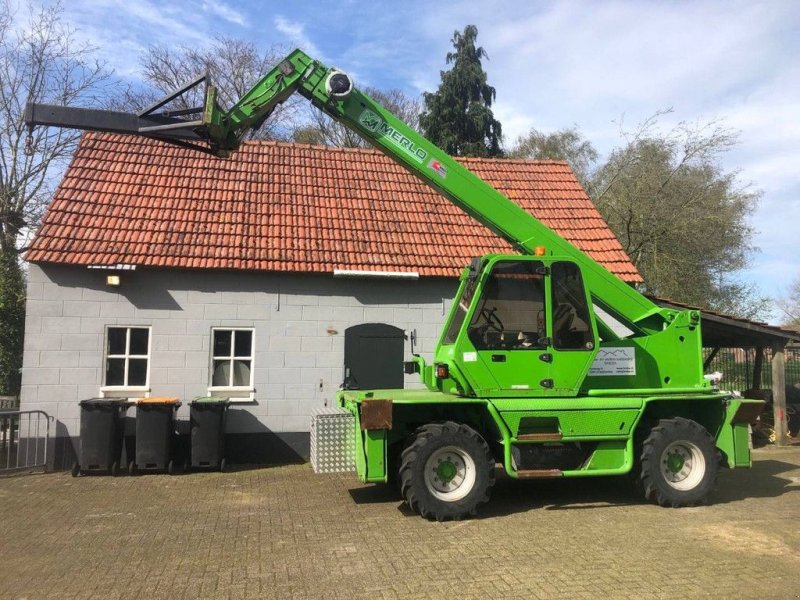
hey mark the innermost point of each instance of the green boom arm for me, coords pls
(332, 92)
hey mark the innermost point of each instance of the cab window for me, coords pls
(572, 327)
(510, 314)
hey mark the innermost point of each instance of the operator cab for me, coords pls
(522, 325)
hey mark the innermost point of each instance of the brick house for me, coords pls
(270, 277)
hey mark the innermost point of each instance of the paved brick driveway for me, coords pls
(283, 532)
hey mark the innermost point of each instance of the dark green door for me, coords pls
(373, 357)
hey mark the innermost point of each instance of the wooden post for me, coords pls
(779, 394)
(758, 367)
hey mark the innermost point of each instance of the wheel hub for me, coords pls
(449, 473)
(446, 471)
(683, 465)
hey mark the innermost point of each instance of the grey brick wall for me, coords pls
(299, 323)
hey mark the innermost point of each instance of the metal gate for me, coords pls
(24, 440)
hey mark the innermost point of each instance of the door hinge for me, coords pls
(546, 383)
(546, 357)
(543, 270)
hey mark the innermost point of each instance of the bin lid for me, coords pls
(103, 401)
(158, 400)
(211, 400)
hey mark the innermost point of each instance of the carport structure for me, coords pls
(724, 331)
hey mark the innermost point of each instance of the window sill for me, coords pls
(234, 395)
(118, 391)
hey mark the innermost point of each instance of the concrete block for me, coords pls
(286, 312)
(376, 314)
(407, 317)
(300, 359)
(318, 313)
(95, 324)
(282, 408)
(291, 299)
(253, 312)
(91, 359)
(195, 359)
(270, 391)
(344, 316)
(81, 308)
(284, 375)
(79, 376)
(30, 358)
(44, 308)
(100, 294)
(191, 343)
(167, 358)
(300, 391)
(43, 341)
(61, 324)
(35, 290)
(32, 325)
(121, 310)
(62, 292)
(285, 343)
(40, 375)
(171, 326)
(59, 358)
(58, 393)
(82, 341)
(316, 344)
(219, 311)
(185, 375)
(303, 328)
(330, 359)
(342, 299)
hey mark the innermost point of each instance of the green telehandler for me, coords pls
(547, 364)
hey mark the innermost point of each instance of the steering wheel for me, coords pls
(492, 320)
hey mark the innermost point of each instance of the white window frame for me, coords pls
(127, 356)
(242, 391)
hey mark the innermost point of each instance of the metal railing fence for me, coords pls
(24, 439)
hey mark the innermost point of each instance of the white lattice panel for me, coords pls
(332, 441)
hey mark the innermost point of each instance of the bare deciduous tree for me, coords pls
(41, 61)
(234, 66)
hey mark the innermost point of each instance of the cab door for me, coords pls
(507, 332)
(573, 331)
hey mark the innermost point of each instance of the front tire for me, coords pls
(446, 472)
(679, 463)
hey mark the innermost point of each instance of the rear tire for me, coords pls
(446, 472)
(679, 463)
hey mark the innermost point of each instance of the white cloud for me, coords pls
(222, 10)
(296, 34)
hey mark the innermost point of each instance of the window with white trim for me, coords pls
(127, 357)
(232, 358)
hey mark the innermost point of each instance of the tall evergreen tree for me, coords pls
(458, 117)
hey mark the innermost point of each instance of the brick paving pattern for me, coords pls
(283, 532)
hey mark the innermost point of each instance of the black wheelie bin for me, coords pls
(101, 436)
(155, 434)
(207, 417)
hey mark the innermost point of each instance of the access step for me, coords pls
(539, 473)
(540, 437)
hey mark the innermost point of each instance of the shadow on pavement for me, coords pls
(763, 480)
(511, 496)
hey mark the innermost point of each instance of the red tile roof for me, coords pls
(289, 207)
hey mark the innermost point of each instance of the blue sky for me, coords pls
(554, 64)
